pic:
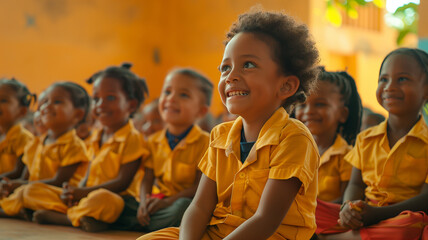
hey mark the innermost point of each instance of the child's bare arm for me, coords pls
(373, 215)
(63, 175)
(198, 215)
(355, 191)
(117, 185)
(145, 191)
(166, 202)
(124, 178)
(16, 172)
(277, 197)
(356, 186)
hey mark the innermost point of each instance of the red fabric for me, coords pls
(407, 225)
(158, 195)
(326, 216)
(425, 234)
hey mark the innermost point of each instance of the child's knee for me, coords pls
(182, 203)
(105, 196)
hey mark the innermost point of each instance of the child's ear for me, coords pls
(288, 87)
(203, 111)
(79, 114)
(344, 113)
(132, 105)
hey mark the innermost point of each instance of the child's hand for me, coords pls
(143, 215)
(72, 195)
(351, 214)
(5, 187)
(67, 194)
(156, 204)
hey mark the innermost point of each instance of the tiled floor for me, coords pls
(11, 229)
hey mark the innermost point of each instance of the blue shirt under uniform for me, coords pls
(245, 146)
(174, 140)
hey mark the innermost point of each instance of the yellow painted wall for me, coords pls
(44, 41)
(423, 19)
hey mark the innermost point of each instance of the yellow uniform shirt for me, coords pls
(176, 170)
(284, 149)
(333, 170)
(391, 175)
(126, 145)
(43, 161)
(13, 146)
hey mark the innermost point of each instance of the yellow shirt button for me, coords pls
(242, 175)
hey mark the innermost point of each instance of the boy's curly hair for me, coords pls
(294, 50)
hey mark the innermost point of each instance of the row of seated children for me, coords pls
(260, 172)
(115, 152)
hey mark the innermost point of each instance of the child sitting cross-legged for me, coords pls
(175, 154)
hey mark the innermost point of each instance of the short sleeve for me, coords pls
(207, 165)
(354, 156)
(73, 152)
(134, 148)
(345, 169)
(295, 156)
(22, 142)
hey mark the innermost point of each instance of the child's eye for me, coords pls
(402, 79)
(111, 98)
(4, 100)
(184, 95)
(167, 92)
(224, 68)
(249, 65)
(57, 102)
(320, 104)
(382, 79)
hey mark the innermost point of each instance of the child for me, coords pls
(152, 120)
(175, 154)
(15, 100)
(260, 172)
(333, 115)
(37, 118)
(59, 155)
(388, 192)
(116, 152)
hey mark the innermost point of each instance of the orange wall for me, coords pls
(44, 41)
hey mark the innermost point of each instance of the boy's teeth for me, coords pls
(237, 93)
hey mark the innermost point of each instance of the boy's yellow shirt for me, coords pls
(333, 170)
(176, 170)
(391, 175)
(284, 149)
(13, 146)
(43, 161)
(126, 145)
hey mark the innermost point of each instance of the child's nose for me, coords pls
(233, 76)
(389, 86)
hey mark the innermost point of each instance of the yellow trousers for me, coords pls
(214, 232)
(12, 204)
(101, 204)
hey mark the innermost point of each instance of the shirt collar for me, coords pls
(269, 134)
(64, 138)
(339, 147)
(419, 130)
(119, 136)
(191, 137)
(13, 131)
